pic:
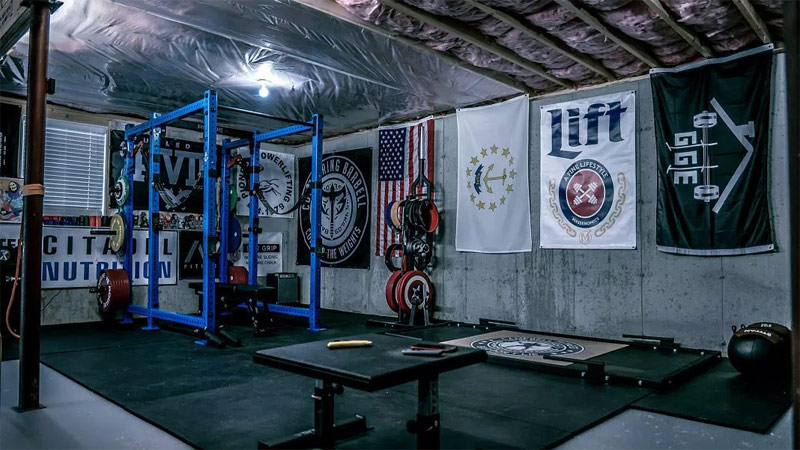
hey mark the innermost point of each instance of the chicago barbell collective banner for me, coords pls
(712, 135)
(345, 224)
(493, 213)
(588, 173)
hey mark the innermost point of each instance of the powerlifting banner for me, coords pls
(712, 130)
(346, 181)
(588, 173)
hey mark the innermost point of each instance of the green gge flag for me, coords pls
(712, 134)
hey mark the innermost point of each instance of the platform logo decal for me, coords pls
(527, 346)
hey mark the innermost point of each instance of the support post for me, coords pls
(154, 207)
(224, 212)
(209, 209)
(31, 276)
(791, 24)
(316, 216)
(253, 222)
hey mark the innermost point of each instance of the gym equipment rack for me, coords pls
(253, 169)
(207, 320)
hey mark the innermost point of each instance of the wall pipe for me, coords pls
(31, 277)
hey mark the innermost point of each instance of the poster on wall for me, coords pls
(72, 257)
(270, 253)
(712, 137)
(181, 188)
(276, 185)
(493, 212)
(588, 173)
(190, 255)
(10, 200)
(345, 224)
(10, 126)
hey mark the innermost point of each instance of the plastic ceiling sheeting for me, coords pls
(718, 22)
(144, 56)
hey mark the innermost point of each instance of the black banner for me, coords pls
(190, 255)
(181, 173)
(712, 135)
(346, 182)
(10, 116)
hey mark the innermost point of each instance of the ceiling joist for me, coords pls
(473, 37)
(629, 44)
(333, 9)
(690, 37)
(755, 20)
(544, 39)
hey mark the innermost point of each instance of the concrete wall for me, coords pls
(598, 293)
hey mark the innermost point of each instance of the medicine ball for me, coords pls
(762, 350)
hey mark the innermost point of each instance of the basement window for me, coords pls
(74, 168)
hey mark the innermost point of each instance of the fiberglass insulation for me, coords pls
(717, 21)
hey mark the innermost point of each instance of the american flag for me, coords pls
(399, 149)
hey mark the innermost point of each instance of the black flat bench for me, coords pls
(373, 368)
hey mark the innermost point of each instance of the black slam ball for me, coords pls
(762, 350)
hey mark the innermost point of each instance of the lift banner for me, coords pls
(72, 257)
(712, 137)
(181, 188)
(588, 173)
(345, 224)
(276, 185)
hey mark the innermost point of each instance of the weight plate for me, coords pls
(390, 287)
(414, 289)
(234, 234)
(113, 290)
(121, 191)
(118, 238)
(387, 214)
(237, 275)
(396, 214)
(388, 258)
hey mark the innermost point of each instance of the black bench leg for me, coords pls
(325, 432)
(259, 316)
(427, 425)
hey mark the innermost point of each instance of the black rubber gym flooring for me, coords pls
(219, 398)
(722, 397)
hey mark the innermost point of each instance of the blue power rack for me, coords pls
(208, 107)
(254, 143)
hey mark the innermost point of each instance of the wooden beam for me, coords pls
(693, 39)
(473, 37)
(545, 39)
(755, 20)
(333, 9)
(629, 44)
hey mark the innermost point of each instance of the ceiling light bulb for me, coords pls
(263, 92)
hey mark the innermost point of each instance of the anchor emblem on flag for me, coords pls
(489, 186)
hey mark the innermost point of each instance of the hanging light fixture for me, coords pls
(264, 90)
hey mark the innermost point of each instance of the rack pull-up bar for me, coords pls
(258, 114)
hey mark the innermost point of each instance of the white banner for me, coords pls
(276, 181)
(72, 257)
(270, 253)
(493, 213)
(588, 173)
